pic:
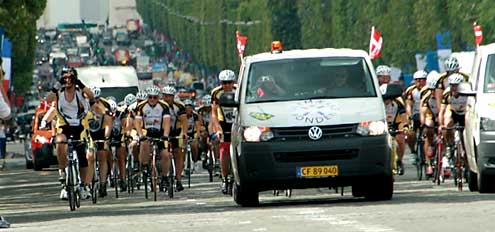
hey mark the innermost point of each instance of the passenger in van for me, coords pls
(341, 84)
(268, 88)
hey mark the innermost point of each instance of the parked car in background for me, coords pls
(42, 154)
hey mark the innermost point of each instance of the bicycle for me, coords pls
(438, 171)
(210, 160)
(458, 155)
(115, 167)
(95, 181)
(131, 177)
(73, 178)
(154, 167)
(188, 162)
(420, 154)
(393, 147)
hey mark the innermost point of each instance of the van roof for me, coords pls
(307, 53)
(489, 48)
(108, 76)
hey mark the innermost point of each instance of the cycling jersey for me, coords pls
(71, 112)
(431, 106)
(191, 123)
(413, 94)
(118, 125)
(225, 114)
(456, 104)
(131, 110)
(176, 110)
(205, 113)
(152, 116)
(443, 81)
(396, 111)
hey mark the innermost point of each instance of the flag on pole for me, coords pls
(376, 43)
(478, 34)
(241, 43)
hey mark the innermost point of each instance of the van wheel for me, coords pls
(485, 183)
(472, 179)
(358, 190)
(38, 162)
(381, 188)
(245, 197)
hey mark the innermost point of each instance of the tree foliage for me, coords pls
(18, 18)
(407, 26)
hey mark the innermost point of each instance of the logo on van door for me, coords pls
(315, 133)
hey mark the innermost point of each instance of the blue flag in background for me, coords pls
(444, 40)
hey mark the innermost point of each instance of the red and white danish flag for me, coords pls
(478, 34)
(376, 43)
(241, 43)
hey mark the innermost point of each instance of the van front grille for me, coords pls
(301, 133)
(325, 155)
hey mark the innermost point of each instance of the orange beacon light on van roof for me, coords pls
(276, 47)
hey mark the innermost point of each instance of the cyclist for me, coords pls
(397, 121)
(204, 113)
(193, 130)
(451, 67)
(72, 112)
(130, 131)
(100, 128)
(178, 127)
(222, 119)
(118, 127)
(429, 118)
(383, 74)
(452, 110)
(413, 101)
(153, 115)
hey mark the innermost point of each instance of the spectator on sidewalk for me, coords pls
(4, 98)
(3, 144)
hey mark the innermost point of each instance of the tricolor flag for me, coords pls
(376, 43)
(241, 43)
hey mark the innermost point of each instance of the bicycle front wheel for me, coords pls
(419, 160)
(71, 194)
(154, 178)
(116, 177)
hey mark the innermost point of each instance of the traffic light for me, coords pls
(98, 50)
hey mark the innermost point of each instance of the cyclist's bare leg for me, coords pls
(448, 134)
(428, 149)
(225, 158)
(144, 151)
(165, 161)
(179, 162)
(400, 138)
(103, 159)
(62, 150)
(411, 139)
(88, 176)
(195, 150)
(121, 156)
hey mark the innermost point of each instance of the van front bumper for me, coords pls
(275, 165)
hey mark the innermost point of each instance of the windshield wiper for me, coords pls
(269, 100)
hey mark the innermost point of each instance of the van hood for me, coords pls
(312, 112)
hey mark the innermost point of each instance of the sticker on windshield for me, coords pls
(261, 116)
(314, 112)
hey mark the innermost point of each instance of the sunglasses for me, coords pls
(153, 97)
(227, 82)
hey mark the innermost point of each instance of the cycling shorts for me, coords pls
(76, 132)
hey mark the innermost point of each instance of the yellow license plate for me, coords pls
(318, 171)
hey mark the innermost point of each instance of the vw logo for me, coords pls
(315, 133)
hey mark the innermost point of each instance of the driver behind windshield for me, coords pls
(268, 88)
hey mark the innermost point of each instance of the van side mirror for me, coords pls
(393, 91)
(465, 89)
(228, 100)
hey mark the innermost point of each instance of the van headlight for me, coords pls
(487, 124)
(372, 128)
(257, 134)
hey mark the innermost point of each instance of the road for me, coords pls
(29, 200)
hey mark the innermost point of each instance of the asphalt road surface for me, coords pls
(29, 201)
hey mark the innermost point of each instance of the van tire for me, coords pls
(472, 179)
(358, 190)
(245, 197)
(485, 183)
(380, 188)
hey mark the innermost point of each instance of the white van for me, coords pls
(116, 81)
(308, 119)
(479, 131)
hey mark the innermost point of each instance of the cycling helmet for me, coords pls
(153, 91)
(456, 78)
(226, 75)
(206, 100)
(451, 64)
(420, 74)
(129, 99)
(168, 90)
(141, 95)
(96, 91)
(113, 105)
(112, 98)
(188, 102)
(383, 70)
(431, 79)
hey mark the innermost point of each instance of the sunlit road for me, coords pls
(29, 201)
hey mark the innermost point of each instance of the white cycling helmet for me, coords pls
(129, 99)
(188, 102)
(456, 78)
(141, 95)
(206, 100)
(420, 74)
(383, 70)
(111, 98)
(153, 91)
(431, 79)
(113, 105)
(96, 91)
(451, 64)
(226, 75)
(169, 90)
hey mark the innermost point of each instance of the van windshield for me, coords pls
(489, 86)
(309, 78)
(118, 92)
